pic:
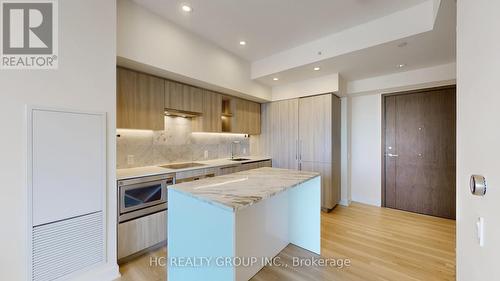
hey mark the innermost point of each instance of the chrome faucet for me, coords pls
(232, 148)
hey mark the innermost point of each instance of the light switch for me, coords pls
(205, 154)
(480, 231)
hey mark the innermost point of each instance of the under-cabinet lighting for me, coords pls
(133, 132)
(220, 134)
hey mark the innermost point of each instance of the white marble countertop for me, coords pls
(122, 174)
(242, 189)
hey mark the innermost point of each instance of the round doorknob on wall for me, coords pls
(478, 185)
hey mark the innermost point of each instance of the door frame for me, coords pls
(382, 150)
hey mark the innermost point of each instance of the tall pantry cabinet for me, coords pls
(304, 134)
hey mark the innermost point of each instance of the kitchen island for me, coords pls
(229, 227)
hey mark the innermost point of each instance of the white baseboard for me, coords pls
(106, 272)
(345, 202)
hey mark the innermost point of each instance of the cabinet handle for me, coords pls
(300, 150)
(296, 149)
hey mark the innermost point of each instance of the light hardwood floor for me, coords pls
(382, 244)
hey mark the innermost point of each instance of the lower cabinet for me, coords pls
(266, 163)
(254, 165)
(142, 233)
(243, 167)
(328, 191)
(249, 166)
(193, 175)
(228, 170)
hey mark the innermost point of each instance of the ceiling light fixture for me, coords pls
(187, 8)
(316, 68)
(243, 43)
(276, 79)
(401, 65)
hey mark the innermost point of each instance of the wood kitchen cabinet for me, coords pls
(315, 129)
(246, 118)
(319, 143)
(183, 97)
(210, 119)
(254, 126)
(255, 165)
(244, 167)
(304, 134)
(140, 100)
(228, 170)
(140, 234)
(280, 133)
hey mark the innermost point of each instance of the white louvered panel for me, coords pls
(63, 247)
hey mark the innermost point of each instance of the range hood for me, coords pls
(181, 113)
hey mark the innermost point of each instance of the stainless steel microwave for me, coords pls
(143, 196)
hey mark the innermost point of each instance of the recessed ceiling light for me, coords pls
(276, 79)
(243, 43)
(187, 8)
(316, 68)
(401, 65)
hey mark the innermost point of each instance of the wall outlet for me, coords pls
(205, 154)
(130, 159)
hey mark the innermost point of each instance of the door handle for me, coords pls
(391, 155)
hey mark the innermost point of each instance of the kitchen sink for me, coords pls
(239, 159)
(182, 165)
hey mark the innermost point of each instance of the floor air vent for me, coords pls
(66, 246)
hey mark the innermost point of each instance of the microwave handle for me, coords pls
(164, 189)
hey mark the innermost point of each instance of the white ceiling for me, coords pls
(435, 47)
(271, 26)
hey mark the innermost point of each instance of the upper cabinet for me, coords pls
(140, 99)
(183, 97)
(246, 117)
(210, 119)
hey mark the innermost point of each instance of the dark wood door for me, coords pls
(420, 151)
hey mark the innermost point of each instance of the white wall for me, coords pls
(85, 80)
(321, 85)
(419, 78)
(149, 39)
(345, 151)
(478, 61)
(365, 149)
(366, 124)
